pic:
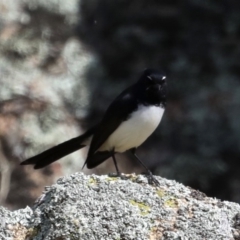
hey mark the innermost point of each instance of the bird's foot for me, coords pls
(118, 174)
(152, 180)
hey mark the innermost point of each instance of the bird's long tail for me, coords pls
(53, 154)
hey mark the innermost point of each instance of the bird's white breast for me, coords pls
(135, 130)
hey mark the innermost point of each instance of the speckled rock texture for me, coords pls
(101, 207)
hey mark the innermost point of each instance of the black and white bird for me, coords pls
(129, 120)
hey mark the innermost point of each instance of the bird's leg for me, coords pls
(152, 179)
(118, 173)
(115, 164)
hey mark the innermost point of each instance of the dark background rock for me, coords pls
(61, 64)
(197, 44)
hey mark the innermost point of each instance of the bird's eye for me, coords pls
(149, 78)
(163, 80)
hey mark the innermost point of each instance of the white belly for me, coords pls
(135, 130)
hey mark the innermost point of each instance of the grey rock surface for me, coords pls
(101, 207)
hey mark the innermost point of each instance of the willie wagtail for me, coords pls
(129, 120)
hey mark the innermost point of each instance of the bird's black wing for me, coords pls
(118, 111)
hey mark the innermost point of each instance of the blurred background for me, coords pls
(62, 62)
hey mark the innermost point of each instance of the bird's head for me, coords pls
(153, 86)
